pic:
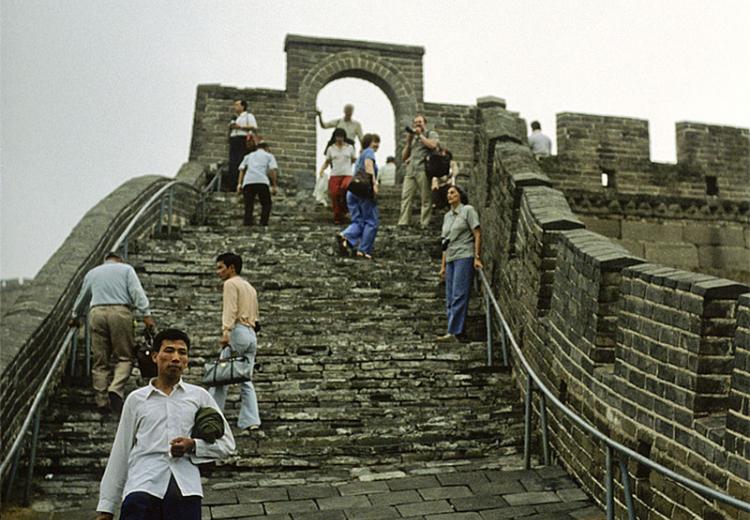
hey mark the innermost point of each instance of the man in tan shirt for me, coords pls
(239, 319)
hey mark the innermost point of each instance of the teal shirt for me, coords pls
(458, 227)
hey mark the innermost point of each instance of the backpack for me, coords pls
(438, 163)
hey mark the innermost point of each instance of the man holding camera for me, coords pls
(419, 142)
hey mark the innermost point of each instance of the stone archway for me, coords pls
(364, 66)
(287, 117)
(351, 64)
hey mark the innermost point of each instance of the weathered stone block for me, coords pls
(608, 227)
(651, 231)
(734, 258)
(684, 256)
(706, 234)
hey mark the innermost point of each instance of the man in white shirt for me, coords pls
(152, 466)
(339, 156)
(240, 127)
(258, 171)
(351, 127)
(541, 145)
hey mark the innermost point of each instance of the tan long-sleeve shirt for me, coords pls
(240, 303)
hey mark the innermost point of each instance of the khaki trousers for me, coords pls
(111, 336)
(413, 182)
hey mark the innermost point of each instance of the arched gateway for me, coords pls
(287, 117)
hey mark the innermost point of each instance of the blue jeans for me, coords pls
(458, 277)
(142, 506)
(243, 341)
(365, 219)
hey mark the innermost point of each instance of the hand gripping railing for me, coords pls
(534, 384)
(165, 196)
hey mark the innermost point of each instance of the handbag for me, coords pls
(143, 355)
(361, 185)
(236, 368)
(438, 163)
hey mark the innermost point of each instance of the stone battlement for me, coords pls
(712, 160)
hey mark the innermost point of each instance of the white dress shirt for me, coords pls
(140, 459)
(244, 119)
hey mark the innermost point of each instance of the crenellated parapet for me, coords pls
(712, 161)
(652, 355)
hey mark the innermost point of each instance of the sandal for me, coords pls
(360, 254)
(342, 244)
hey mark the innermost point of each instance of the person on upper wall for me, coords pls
(540, 144)
(352, 128)
(461, 238)
(242, 124)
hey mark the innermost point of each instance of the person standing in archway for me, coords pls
(419, 142)
(340, 156)
(243, 124)
(351, 127)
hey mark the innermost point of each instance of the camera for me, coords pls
(409, 130)
(444, 243)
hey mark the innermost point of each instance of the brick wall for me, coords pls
(648, 354)
(687, 233)
(589, 145)
(718, 151)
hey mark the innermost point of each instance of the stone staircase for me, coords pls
(352, 385)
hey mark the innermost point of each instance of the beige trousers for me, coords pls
(111, 336)
(413, 182)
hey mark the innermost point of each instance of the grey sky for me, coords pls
(95, 92)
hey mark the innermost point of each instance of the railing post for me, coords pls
(161, 214)
(626, 488)
(87, 344)
(488, 318)
(527, 424)
(73, 354)
(32, 458)
(503, 345)
(610, 486)
(543, 420)
(13, 472)
(169, 221)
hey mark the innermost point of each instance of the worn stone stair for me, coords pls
(351, 377)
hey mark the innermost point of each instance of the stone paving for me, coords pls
(364, 415)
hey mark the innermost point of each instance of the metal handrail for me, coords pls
(611, 444)
(32, 415)
(37, 401)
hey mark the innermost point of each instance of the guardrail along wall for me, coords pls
(653, 356)
(34, 326)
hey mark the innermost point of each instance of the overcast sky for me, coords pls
(95, 92)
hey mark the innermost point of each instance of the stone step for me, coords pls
(351, 375)
(483, 488)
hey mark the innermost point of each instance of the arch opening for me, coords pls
(372, 108)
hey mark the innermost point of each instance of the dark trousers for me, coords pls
(237, 151)
(249, 191)
(174, 506)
